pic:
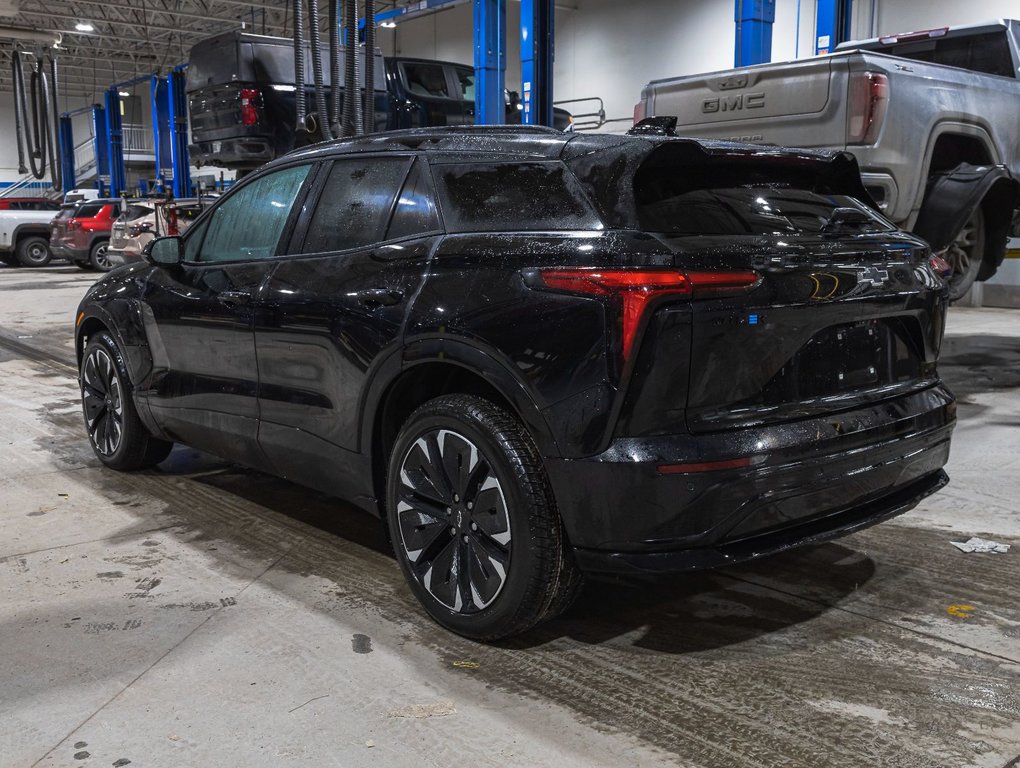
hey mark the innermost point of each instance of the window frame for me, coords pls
(299, 235)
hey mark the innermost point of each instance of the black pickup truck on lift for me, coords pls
(241, 97)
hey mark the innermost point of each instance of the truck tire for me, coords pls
(964, 255)
(33, 251)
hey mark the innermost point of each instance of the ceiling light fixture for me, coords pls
(124, 94)
(84, 26)
(388, 24)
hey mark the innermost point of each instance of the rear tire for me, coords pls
(964, 255)
(33, 251)
(116, 434)
(98, 258)
(473, 520)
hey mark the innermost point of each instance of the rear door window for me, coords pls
(250, 222)
(426, 79)
(415, 209)
(538, 196)
(355, 204)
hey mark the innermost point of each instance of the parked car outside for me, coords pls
(537, 354)
(142, 220)
(80, 233)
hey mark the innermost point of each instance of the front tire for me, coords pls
(473, 520)
(116, 434)
(33, 251)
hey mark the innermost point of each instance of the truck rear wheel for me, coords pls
(965, 253)
(33, 251)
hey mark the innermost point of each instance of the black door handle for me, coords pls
(379, 297)
(234, 298)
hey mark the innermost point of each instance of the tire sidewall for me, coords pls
(503, 610)
(23, 248)
(105, 341)
(94, 252)
(959, 288)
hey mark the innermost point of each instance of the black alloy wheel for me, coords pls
(964, 255)
(99, 257)
(33, 251)
(117, 436)
(473, 520)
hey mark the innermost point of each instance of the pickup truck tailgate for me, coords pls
(764, 104)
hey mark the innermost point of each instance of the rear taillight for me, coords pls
(249, 110)
(134, 230)
(74, 224)
(639, 112)
(869, 97)
(635, 288)
(940, 267)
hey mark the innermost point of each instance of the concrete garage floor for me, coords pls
(203, 614)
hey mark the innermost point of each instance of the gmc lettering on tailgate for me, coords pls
(733, 103)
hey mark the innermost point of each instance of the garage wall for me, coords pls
(898, 16)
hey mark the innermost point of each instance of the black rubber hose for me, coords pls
(369, 111)
(320, 93)
(334, 67)
(57, 173)
(37, 144)
(19, 99)
(299, 65)
(45, 124)
(349, 126)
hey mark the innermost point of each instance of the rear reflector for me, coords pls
(706, 466)
(869, 96)
(636, 287)
(249, 113)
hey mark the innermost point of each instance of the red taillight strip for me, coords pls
(636, 287)
(705, 466)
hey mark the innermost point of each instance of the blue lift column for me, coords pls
(537, 21)
(100, 142)
(161, 127)
(832, 24)
(490, 61)
(114, 142)
(754, 20)
(67, 153)
(177, 106)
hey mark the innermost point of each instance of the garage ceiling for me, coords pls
(130, 37)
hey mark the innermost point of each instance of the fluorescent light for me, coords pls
(125, 94)
(388, 24)
(84, 26)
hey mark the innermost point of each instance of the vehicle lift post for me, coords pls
(490, 61)
(67, 153)
(177, 106)
(114, 142)
(161, 126)
(537, 22)
(100, 143)
(832, 24)
(754, 18)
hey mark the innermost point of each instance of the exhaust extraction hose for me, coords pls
(350, 115)
(334, 66)
(320, 94)
(56, 172)
(18, 98)
(299, 65)
(369, 112)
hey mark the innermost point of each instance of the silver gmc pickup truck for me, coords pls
(932, 117)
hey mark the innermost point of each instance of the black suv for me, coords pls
(537, 354)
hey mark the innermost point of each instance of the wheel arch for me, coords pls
(439, 369)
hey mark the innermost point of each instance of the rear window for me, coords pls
(89, 210)
(743, 200)
(988, 52)
(66, 211)
(487, 197)
(136, 212)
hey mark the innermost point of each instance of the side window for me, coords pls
(415, 211)
(425, 79)
(355, 203)
(249, 223)
(193, 241)
(467, 83)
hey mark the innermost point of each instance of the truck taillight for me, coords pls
(636, 287)
(639, 112)
(249, 112)
(869, 97)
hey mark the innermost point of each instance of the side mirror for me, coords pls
(165, 251)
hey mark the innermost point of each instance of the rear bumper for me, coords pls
(239, 152)
(71, 254)
(808, 481)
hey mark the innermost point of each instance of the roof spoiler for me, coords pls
(660, 125)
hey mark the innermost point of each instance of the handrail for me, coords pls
(599, 114)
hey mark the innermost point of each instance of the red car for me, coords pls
(81, 233)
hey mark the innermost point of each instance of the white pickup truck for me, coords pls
(25, 231)
(932, 118)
